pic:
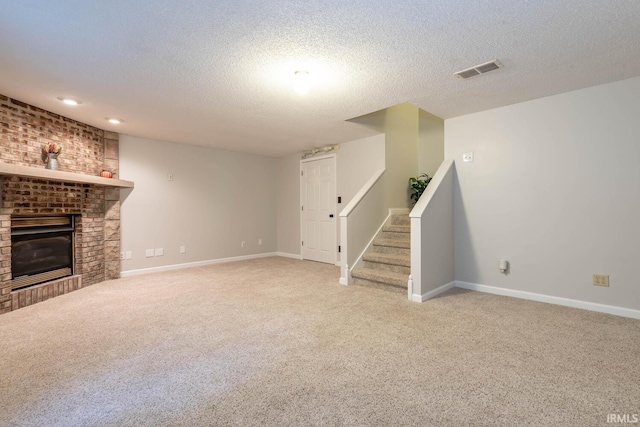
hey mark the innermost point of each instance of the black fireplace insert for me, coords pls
(41, 249)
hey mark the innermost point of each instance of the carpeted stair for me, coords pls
(387, 264)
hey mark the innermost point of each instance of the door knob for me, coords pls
(330, 215)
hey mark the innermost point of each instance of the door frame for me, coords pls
(335, 202)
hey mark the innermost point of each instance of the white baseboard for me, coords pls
(432, 293)
(194, 264)
(287, 255)
(585, 305)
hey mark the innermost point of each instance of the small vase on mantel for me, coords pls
(50, 152)
(52, 162)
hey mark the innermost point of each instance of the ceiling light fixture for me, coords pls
(314, 151)
(114, 120)
(301, 82)
(69, 101)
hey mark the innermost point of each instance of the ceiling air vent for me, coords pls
(478, 69)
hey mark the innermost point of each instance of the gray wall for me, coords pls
(216, 200)
(356, 161)
(400, 123)
(288, 191)
(554, 189)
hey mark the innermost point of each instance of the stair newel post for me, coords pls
(410, 287)
(344, 279)
(346, 274)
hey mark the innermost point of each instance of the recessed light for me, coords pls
(69, 101)
(114, 120)
(301, 82)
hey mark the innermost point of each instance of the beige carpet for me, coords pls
(277, 342)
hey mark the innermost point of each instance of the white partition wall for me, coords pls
(432, 256)
(359, 222)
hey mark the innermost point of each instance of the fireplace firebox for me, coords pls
(41, 249)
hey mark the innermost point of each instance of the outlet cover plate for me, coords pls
(601, 280)
(467, 157)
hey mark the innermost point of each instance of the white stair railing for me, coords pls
(359, 221)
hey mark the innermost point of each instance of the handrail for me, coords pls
(361, 193)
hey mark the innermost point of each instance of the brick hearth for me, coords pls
(85, 150)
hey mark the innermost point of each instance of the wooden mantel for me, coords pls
(31, 172)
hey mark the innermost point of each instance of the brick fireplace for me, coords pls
(94, 204)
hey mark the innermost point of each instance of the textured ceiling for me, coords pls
(218, 73)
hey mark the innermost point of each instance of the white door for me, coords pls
(318, 209)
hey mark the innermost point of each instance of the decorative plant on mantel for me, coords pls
(418, 185)
(50, 148)
(50, 152)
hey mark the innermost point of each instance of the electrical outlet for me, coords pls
(183, 249)
(259, 241)
(159, 252)
(129, 255)
(148, 253)
(243, 244)
(601, 280)
(467, 157)
(169, 177)
(121, 255)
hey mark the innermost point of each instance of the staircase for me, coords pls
(387, 264)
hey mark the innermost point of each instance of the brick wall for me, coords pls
(24, 128)
(85, 150)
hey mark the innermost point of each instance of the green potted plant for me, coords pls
(418, 185)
